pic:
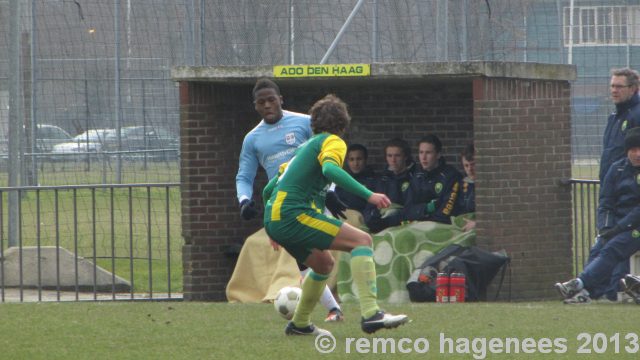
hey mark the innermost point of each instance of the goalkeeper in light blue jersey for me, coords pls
(271, 143)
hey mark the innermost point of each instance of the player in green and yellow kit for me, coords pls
(292, 220)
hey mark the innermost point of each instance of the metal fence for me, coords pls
(585, 205)
(133, 232)
(91, 242)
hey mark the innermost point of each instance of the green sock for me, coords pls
(363, 271)
(312, 288)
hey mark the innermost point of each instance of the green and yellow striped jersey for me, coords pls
(304, 179)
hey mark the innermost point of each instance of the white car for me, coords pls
(90, 141)
(74, 151)
(77, 147)
(94, 135)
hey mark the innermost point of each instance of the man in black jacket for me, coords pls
(623, 88)
(357, 167)
(434, 187)
(393, 182)
(624, 94)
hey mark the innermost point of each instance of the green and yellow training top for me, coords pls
(316, 164)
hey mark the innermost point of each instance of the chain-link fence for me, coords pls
(69, 66)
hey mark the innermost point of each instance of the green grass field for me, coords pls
(98, 172)
(184, 330)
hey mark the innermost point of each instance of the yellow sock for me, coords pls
(363, 271)
(312, 288)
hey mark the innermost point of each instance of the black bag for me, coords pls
(478, 265)
(422, 282)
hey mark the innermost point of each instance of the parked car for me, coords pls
(77, 147)
(90, 141)
(138, 141)
(47, 136)
(94, 136)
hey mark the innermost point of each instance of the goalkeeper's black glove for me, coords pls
(335, 205)
(248, 209)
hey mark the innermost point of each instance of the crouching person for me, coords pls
(618, 224)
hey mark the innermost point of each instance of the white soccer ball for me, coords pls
(286, 301)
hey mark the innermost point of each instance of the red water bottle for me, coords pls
(457, 285)
(442, 288)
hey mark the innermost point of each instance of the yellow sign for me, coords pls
(321, 70)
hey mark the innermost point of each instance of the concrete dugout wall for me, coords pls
(517, 114)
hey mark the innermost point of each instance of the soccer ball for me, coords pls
(286, 301)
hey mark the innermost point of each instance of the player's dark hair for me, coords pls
(632, 139)
(329, 114)
(264, 83)
(403, 145)
(358, 147)
(433, 140)
(469, 152)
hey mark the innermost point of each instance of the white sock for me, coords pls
(327, 300)
(580, 284)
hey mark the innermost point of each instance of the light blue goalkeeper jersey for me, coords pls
(270, 145)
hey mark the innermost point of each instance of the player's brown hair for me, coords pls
(469, 152)
(329, 114)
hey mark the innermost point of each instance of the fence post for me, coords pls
(15, 117)
(202, 28)
(34, 95)
(189, 29)
(292, 33)
(118, 100)
(374, 32)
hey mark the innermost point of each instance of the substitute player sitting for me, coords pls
(291, 220)
(619, 229)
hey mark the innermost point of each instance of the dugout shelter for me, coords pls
(517, 114)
